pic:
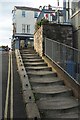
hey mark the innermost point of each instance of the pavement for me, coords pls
(19, 106)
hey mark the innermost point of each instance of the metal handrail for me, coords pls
(67, 57)
(63, 44)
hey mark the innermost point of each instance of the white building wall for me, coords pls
(27, 20)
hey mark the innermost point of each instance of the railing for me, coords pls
(59, 17)
(66, 57)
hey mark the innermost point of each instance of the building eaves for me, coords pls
(27, 8)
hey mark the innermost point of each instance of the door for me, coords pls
(22, 45)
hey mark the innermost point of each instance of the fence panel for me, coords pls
(65, 56)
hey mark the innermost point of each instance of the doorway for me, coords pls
(22, 44)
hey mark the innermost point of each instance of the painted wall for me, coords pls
(27, 20)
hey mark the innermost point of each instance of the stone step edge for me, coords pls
(55, 93)
(38, 68)
(34, 60)
(53, 74)
(54, 109)
(51, 82)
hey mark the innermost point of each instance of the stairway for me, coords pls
(53, 98)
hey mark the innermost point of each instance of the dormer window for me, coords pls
(23, 13)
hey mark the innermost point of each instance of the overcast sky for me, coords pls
(6, 7)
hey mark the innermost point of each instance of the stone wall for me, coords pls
(38, 41)
(60, 33)
(57, 32)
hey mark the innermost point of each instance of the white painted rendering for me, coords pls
(27, 20)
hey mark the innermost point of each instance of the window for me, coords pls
(35, 14)
(28, 28)
(23, 28)
(23, 13)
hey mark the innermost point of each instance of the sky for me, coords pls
(6, 7)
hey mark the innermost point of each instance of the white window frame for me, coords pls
(28, 28)
(23, 13)
(23, 28)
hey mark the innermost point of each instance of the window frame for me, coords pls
(23, 28)
(23, 13)
(28, 28)
(35, 14)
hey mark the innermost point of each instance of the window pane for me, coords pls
(23, 13)
(23, 28)
(35, 14)
(28, 28)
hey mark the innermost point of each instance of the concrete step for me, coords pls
(35, 64)
(43, 68)
(28, 52)
(33, 60)
(31, 57)
(68, 116)
(57, 116)
(58, 107)
(46, 81)
(57, 103)
(42, 73)
(51, 91)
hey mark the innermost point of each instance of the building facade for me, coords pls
(67, 10)
(24, 19)
(75, 19)
(52, 14)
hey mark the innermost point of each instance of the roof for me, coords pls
(27, 8)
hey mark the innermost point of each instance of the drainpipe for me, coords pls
(68, 11)
(58, 11)
(58, 2)
(64, 9)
